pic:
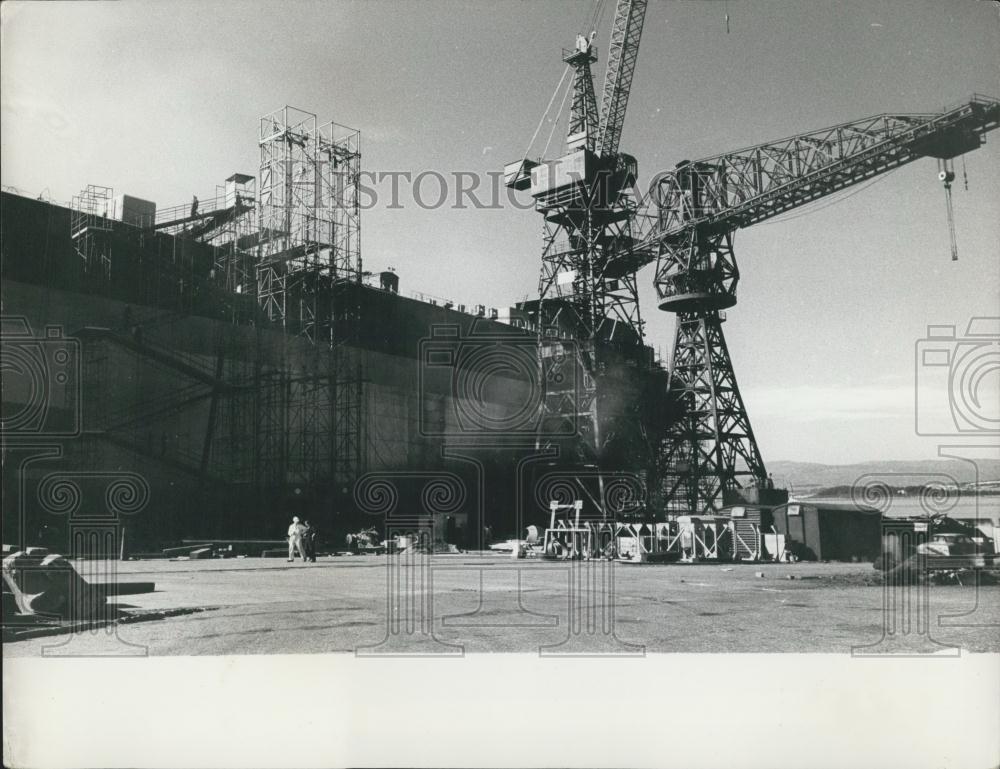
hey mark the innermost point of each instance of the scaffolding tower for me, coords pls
(309, 266)
(309, 218)
(90, 228)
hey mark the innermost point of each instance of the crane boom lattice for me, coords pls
(624, 51)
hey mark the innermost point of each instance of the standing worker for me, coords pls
(687, 544)
(309, 540)
(295, 532)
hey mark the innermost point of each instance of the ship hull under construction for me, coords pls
(235, 423)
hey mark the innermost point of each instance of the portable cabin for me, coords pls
(830, 531)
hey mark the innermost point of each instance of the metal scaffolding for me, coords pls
(310, 220)
(309, 262)
(227, 222)
(90, 228)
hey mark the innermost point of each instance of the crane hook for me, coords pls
(946, 174)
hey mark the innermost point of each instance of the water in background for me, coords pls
(903, 507)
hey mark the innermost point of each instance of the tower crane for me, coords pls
(588, 206)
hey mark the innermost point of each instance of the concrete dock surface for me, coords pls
(473, 603)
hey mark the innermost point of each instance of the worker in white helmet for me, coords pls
(295, 532)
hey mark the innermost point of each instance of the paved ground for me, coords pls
(483, 603)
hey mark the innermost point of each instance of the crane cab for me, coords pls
(580, 180)
(564, 180)
(517, 175)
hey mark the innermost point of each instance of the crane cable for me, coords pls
(951, 223)
(545, 114)
(555, 122)
(598, 9)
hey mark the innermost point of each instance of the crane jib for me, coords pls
(626, 32)
(740, 197)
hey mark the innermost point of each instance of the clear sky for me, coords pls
(161, 100)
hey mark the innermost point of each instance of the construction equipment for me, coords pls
(946, 175)
(309, 262)
(567, 538)
(227, 223)
(597, 236)
(90, 228)
(588, 307)
(935, 543)
(686, 225)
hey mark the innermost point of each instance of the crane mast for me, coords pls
(588, 304)
(583, 111)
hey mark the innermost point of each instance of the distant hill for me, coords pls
(810, 475)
